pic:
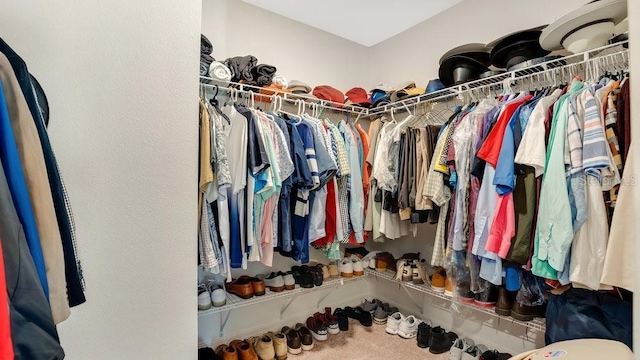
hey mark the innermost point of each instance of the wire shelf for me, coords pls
(234, 302)
(535, 325)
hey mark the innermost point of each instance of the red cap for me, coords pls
(326, 92)
(359, 96)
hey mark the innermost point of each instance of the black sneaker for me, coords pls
(343, 319)
(303, 277)
(424, 335)
(359, 251)
(316, 273)
(441, 341)
(364, 317)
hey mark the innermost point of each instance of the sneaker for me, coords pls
(274, 282)
(318, 327)
(218, 295)
(358, 269)
(306, 338)
(438, 279)
(473, 352)
(204, 298)
(294, 344)
(441, 340)
(289, 280)
(382, 313)
(459, 347)
(423, 272)
(342, 318)
(393, 323)
(424, 335)
(332, 323)
(369, 261)
(370, 306)
(346, 268)
(359, 252)
(403, 270)
(408, 328)
(364, 317)
(416, 274)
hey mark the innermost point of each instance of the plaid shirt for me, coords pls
(440, 194)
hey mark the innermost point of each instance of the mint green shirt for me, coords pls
(554, 229)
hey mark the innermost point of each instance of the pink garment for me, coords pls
(267, 231)
(503, 228)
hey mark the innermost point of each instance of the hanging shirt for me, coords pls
(554, 229)
(356, 195)
(440, 194)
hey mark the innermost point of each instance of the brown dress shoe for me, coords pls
(385, 261)
(245, 351)
(225, 352)
(256, 284)
(240, 287)
(505, 302)
(527, 313)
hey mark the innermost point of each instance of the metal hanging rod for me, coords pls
(609, 56)
(253, 92)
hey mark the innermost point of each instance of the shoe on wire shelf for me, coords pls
(346, 268)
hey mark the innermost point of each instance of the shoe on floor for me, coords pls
(294, 343)
(438, 279)
(346, 268)
(306, 338)
(264, 348)
(342, 318)
(459, 347)
(393, 323)
(358, 268)
(473, 352)
(279, 345)
(382, 313)
(423, 337)
(225, 352)
(364, 317)
(332, 323)
(441, 340)
(318, 328)
(245, 350)
(370, 306)
(204, 298)
(495, 355)
(408, 328)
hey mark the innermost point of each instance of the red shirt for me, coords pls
(6, 345)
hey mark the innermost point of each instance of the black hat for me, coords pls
(458, 69)
(517, 47)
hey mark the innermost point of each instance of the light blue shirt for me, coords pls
(356, 195)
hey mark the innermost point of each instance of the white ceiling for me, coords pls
(366, 22)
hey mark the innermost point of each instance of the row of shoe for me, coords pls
(290, 340)
(465, 349)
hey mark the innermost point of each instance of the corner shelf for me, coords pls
(535, 325)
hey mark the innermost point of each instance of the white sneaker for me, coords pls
(473, 352)
(459, 347)
(346, 267)
(393, 323)
(358, 269)
(409, 327)
(370, 260)
(218, 295)
(204, 298)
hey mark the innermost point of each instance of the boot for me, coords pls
(245, 350)
(279, 345)
(264, 348)
(505, 302)
(225, 352)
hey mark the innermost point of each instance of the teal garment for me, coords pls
(274, 182)
(554, 229)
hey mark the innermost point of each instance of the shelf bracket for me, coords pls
(327, 294)
(413, 300)
(223, 322)
(284, 308)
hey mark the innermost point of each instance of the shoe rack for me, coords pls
(536, 325)
(235, 302)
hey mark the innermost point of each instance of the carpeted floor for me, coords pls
(367, 343)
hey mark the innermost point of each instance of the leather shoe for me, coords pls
(256, 284)
(240, 287)
(364, 317)
(505, 302)
(385, 261)
(245, 350)
(527, 313)
(225, 352)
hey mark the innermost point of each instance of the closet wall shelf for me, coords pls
(609, 55)
(537, 325)
(234, 302)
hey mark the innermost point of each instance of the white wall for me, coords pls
(414, 54)
(298, 51)
(121, 78)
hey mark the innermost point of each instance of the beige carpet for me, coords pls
(367, 343)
